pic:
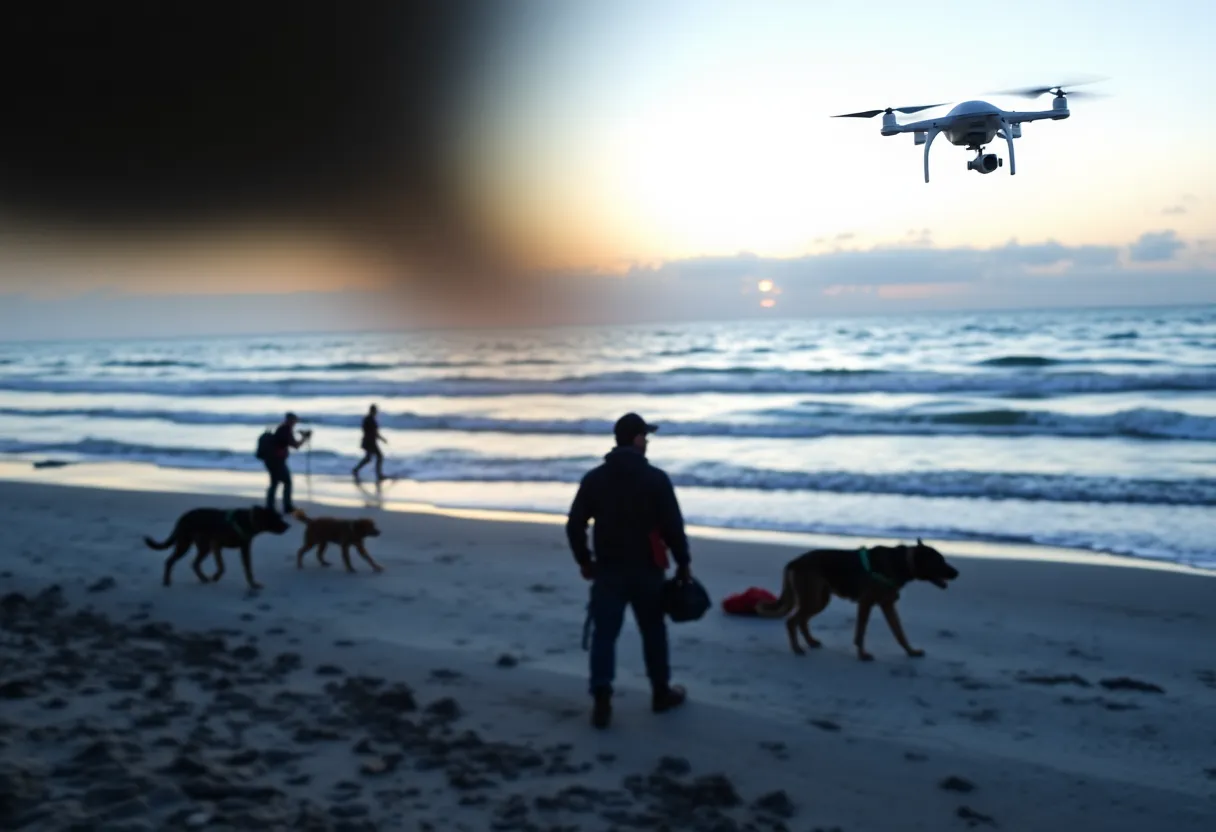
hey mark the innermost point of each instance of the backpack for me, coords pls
(265, 445)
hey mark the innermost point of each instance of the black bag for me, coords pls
(685, 601)
(265, 445)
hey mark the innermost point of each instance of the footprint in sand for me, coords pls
(981, 716)
(1078, 653)
(1053, 679)
(956, 784)
(1124, 683)
(777, 749)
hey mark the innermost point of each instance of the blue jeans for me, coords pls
(279, 474)
(614, 588)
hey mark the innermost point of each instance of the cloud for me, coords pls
(1052, 253)
(1155, 247)
(909, 262)
(902, 278)
(1174, 210)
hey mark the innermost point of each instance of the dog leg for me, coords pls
(183, 545)
(791, 625)
(816, 606)
(321, 554)
(863, 618)
(247, 562)
(219, 564)
(204, 549)
(308, 544)
(367, 557)
(346, 557)
(897, 629)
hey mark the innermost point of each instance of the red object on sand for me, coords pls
(744, 603)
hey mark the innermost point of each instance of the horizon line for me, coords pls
(416, 328)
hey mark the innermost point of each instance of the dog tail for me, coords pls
(784, 604)
(301, 516)
(152, 544)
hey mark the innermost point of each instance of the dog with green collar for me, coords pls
(869, 577)
(212, 530)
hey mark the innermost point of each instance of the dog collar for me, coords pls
(231, 518)
(864, 554)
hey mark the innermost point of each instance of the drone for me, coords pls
(974, 124)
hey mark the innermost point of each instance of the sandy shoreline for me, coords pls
(1056, 695)
(421, 498)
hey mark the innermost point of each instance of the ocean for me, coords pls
(1091, 429)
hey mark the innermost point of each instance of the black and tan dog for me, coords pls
(321, 531)
(869, 577)
(214, 529)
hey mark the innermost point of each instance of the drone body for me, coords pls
(971, 124)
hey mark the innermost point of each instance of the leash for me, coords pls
(308, 467)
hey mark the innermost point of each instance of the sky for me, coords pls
(681, 155)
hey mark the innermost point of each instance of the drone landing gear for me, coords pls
(930, 135)
(1007, 133)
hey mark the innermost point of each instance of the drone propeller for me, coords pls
(872, 113)
(1058, 89)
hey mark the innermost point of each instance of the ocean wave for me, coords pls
(151, 363)
(1032, 361)
(462, 466)
(683, 381)
(820, 421)
(1146, 546)
(301, 367)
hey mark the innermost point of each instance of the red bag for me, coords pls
(744, 603)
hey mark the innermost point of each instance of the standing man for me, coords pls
(631, 501)
(371, 448)
(284, 440)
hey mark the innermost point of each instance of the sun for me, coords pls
(765, 285)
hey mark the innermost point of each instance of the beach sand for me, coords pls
(449, 692)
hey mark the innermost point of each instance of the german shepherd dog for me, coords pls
(868, 577)
(215, 529)
(321, 531)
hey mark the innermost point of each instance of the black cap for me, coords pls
(631, 426)
(291, 416)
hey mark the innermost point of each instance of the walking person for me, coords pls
(371, 446)
(276, 462)
(637, 518)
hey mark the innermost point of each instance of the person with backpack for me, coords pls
(637, 518)
(273, 450)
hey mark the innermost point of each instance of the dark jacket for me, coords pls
(629, 499)
(284, 441)
(371, 432)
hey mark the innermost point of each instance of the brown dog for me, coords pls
(867, 577)
(214, 529)
(322, 531)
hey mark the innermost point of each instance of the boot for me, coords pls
(666, 698)
(601, 713)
